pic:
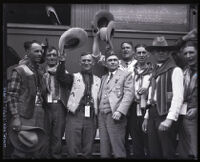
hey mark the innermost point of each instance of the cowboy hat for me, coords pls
(28, 139)
(72, 38)
(102, 19)
(160, 43)
(107, 32)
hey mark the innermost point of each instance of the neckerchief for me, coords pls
(50, 71)
(168, 64)
(146, 70)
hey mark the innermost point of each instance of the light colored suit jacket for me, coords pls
(121, 91)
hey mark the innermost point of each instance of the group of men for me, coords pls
(151, 103)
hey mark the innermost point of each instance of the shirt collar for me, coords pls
(127, 62)
(112, 72)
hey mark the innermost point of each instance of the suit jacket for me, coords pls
(121, 91)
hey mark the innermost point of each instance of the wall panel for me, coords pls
(17, 35)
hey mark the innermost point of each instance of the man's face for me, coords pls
(86, 62)
(141, 54)
(190, 55)
(35, 53)
(161, 55)
(112, 63)
(52, 58)
(127, 51)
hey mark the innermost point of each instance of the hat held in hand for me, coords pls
(28, 139)
(72, 39)
(160, 43)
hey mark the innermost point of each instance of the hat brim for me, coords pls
(13, 135)
(164, 48)
(102, 14)
(72, 39)
(110, 30)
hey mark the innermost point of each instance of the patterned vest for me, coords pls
(77, 92)
(164, 92)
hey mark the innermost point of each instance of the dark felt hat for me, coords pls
(160, 43)
(28, 139)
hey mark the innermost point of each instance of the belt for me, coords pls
(54, 101)
(105, 112)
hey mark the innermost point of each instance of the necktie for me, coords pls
(126, 64)
(111, 75)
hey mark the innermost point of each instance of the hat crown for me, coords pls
(160, 41)
(28, 138)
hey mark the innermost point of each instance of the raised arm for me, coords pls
(190, 35)
(64, 78)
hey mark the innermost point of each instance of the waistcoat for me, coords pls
(77, 92)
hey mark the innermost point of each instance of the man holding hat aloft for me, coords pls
(115, 97)
(164, 101)
(56, 98)
(25, 98)
(82, 103)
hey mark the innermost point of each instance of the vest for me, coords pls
(190, 91)
(164, 93)
(26, 101)
(77, 92)
(104, 102)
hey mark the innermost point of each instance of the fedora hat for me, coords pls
(28, 139)
(160, 43)
(102, 19)
(72, 38)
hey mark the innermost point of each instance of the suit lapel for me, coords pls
(114, 80)
(104, 78)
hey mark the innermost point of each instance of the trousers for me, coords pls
(80, 133)
(56, 116)
(112, 136)
(162, 144)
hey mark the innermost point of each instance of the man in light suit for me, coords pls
(115, 97)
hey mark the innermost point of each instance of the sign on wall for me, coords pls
(163, 16)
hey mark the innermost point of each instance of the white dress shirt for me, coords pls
(130, 67)
(177, 91)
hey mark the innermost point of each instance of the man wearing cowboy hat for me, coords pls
(165, 98)
(115, 97)
(188, 144)
(25, 96)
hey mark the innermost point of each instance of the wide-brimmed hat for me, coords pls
(72, 39)
(107, 32)
(160, 43)
(102, 19)
(28, 139)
